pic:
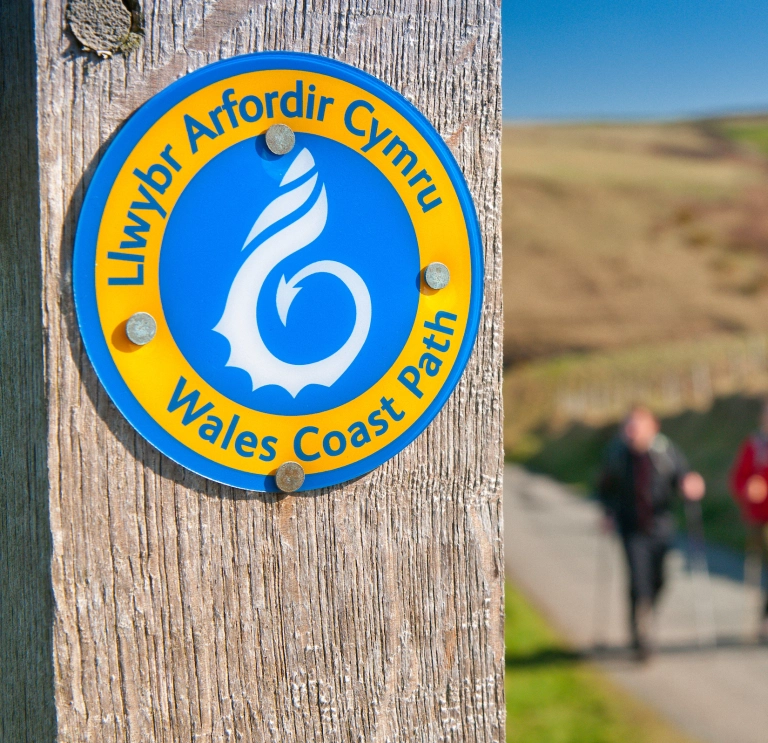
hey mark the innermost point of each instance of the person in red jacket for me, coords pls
(749, 484)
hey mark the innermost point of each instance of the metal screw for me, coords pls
(289, 477)
(280, 139)
(141, 328)
(437, 275)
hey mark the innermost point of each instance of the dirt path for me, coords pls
(554, 552)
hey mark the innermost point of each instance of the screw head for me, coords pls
(289, 477)
(280, 139)
(437, 275)
(141, 328)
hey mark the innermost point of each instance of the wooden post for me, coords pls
(140, 602)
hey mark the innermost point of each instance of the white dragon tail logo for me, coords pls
(239, 324)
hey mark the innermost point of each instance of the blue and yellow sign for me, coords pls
(244, 308)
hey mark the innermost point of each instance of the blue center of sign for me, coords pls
(290, 283)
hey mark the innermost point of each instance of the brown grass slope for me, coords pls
(619, 235)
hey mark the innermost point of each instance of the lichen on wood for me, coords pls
(105, 27)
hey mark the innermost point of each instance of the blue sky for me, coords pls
(627, 59)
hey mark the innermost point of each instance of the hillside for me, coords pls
(617, 235)
(636, 269)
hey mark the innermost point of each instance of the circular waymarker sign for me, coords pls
(278, 263)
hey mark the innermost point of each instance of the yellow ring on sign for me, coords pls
(152, 372)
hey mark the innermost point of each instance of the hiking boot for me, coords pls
(642, 631)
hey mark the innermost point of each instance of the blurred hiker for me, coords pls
(642, 473)
(749, 484)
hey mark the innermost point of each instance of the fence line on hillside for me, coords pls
(597, 389)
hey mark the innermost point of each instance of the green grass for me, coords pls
(752, 132)
(553, 697)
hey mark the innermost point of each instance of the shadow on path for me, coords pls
(550, 657)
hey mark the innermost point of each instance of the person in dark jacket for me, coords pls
(642, 473)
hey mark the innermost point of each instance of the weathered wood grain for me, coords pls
(184, 610)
